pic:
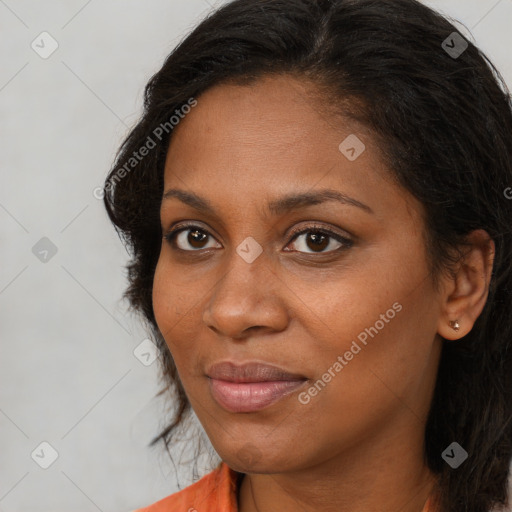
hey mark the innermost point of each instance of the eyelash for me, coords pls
(346, 242)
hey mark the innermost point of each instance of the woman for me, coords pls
(317, 202)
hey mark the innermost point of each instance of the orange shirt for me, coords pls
(215, 492)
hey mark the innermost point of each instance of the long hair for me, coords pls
(442, 116)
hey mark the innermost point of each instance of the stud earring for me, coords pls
(454, 325)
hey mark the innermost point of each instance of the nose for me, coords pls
(247, 298)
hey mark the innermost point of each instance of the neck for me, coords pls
(373, 476)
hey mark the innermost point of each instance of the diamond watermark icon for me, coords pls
(146, 352)
(352, 147)
(249, 454)
(44, 455)
(44, 250)
(455, 45)
(44, 45)
(454, 455)
(249, 249)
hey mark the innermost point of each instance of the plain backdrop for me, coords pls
(69, 374)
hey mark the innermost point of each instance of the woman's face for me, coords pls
(350, 311)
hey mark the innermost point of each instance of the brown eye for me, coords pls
(317, 241)
(191, 238)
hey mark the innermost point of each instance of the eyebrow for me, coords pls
(276, 207)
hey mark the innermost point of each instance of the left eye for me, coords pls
(319, 240)
(193, 235)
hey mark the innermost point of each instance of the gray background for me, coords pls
(69, 374)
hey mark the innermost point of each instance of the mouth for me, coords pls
(251, 386)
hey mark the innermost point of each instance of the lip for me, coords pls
(251, 386)
(252, 371)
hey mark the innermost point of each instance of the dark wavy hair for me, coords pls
(444, 125)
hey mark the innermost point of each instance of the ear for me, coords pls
(465, 293)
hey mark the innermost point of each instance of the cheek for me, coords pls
(170, 309)
(175, 305)
(162, 297)
(382, 324)
(385, 378)
(385, 356)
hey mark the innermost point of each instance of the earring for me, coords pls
(454, 325)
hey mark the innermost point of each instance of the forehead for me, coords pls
(274, 123)
(242, 143)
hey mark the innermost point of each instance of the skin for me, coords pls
(358, 444)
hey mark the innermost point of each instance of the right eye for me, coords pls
(192, 235)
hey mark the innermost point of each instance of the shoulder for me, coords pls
(214, 491)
